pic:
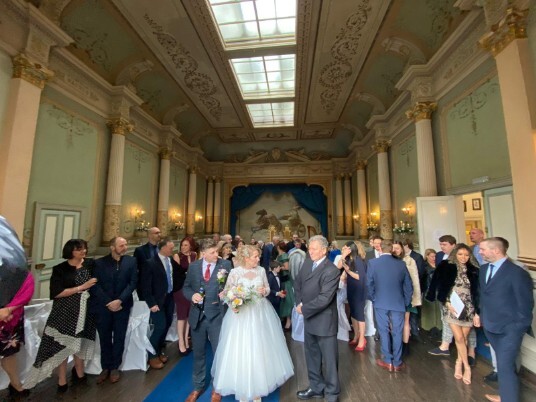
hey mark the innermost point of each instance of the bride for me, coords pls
(252, 358)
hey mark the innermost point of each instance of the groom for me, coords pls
(207, 311)
(315, 289)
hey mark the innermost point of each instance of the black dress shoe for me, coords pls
(472, 361)
(62, 388)
(15, 393)
(492, 377)
(309, 394)
(75, 379)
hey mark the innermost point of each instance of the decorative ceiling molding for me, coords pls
(405, 49)
(171, 115)
(377, 105)
(277, 155)
(347, 31)
(186, 60)
(131, 72)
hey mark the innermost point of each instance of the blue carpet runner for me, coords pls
(177, 385)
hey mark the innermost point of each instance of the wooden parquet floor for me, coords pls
(427, 379)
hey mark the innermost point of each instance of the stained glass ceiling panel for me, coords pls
(249, 22)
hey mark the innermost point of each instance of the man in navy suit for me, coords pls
(506, 303)
(390, 289)
(110, 302)
(206, 314)
(275, 284)
(147, 251)
(315, 289)
(160, 277)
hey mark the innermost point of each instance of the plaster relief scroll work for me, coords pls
(199, 83)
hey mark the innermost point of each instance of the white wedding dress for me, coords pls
(252, 358)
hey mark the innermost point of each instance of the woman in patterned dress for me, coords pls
(457, 277)
(69, 329)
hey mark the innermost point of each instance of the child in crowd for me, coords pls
(276, 289)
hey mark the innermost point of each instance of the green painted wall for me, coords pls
(68, 165)
(372, 185)
(6, 72)
(140, 185)
(404, 177)
(476, 136)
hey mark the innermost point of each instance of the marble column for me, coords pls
(163, 191)
(509, 45)
(192, 189)
(348, 210)
(362, 199)
(217, 205)
(119, 128)
(421, 114)
(17, 143)
(339, 205)
(386, 215)
(210, 206)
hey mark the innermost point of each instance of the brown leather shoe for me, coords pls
(493, 398)
(103, 376)
(383, 365)
(399, 368)
(215, 397)
(193, 396)
(115, 376)
(155, 363)
(163, 358)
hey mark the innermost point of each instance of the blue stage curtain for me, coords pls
(311, 198)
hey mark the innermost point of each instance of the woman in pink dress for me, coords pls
(185, 256)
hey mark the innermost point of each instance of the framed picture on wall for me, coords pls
(477, 205)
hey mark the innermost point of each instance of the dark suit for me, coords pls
(274, 288)
(267, 255)
(115, 280)
(205, 320)
(506, 303)
(317, 291)
(371, 254)
(142, 254)
(154, 288)
(440, 256)
(390, 289)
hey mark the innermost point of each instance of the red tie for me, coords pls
(207, 273)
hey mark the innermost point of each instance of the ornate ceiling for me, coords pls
(349, 56)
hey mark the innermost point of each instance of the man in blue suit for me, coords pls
(506, 303)
(160, 277)
(390, 289)
(110, 302)
(206, 314)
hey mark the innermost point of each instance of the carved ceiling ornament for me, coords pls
(34, 73)
(404, 48)
(512, 26)
(130, 73)
(336, 73)
(171, 114)
(199, 83)
(421, 111)
(377, 105)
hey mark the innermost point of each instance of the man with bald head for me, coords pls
(476, 236)
(110, 302)
(147, 251)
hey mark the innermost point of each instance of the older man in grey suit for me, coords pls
(315, 289)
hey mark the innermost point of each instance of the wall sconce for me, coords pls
(198, 218)
(140, 225)
(176, 221)
(406, 210)
(372, 224)
(356, 217)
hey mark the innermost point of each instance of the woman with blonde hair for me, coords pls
(251, 330)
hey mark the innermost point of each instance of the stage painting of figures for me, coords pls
(280, 211)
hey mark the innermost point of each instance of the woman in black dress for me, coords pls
(69, 329)
(353, 262)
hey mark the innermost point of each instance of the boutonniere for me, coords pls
(222, 276)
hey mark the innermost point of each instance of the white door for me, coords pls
(500, 216)
(52, 228)
(438, 216)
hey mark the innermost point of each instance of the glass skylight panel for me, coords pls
(272, 114)
(254, 21)
(266, 76)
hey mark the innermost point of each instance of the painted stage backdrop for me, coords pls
(279, 210)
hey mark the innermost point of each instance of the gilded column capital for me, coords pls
(217, 179)
(165, 153)
(381, 146)
(421, 111)
(120, 126)
(361, 164)
(193, 170)
(34, 73)
(511, 27)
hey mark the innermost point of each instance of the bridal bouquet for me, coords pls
(238, 296)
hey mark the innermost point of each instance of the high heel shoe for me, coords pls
(467, 376)
(458, 370)
(75, 379)
(63, 388)
(362, 348)
(15, 393)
